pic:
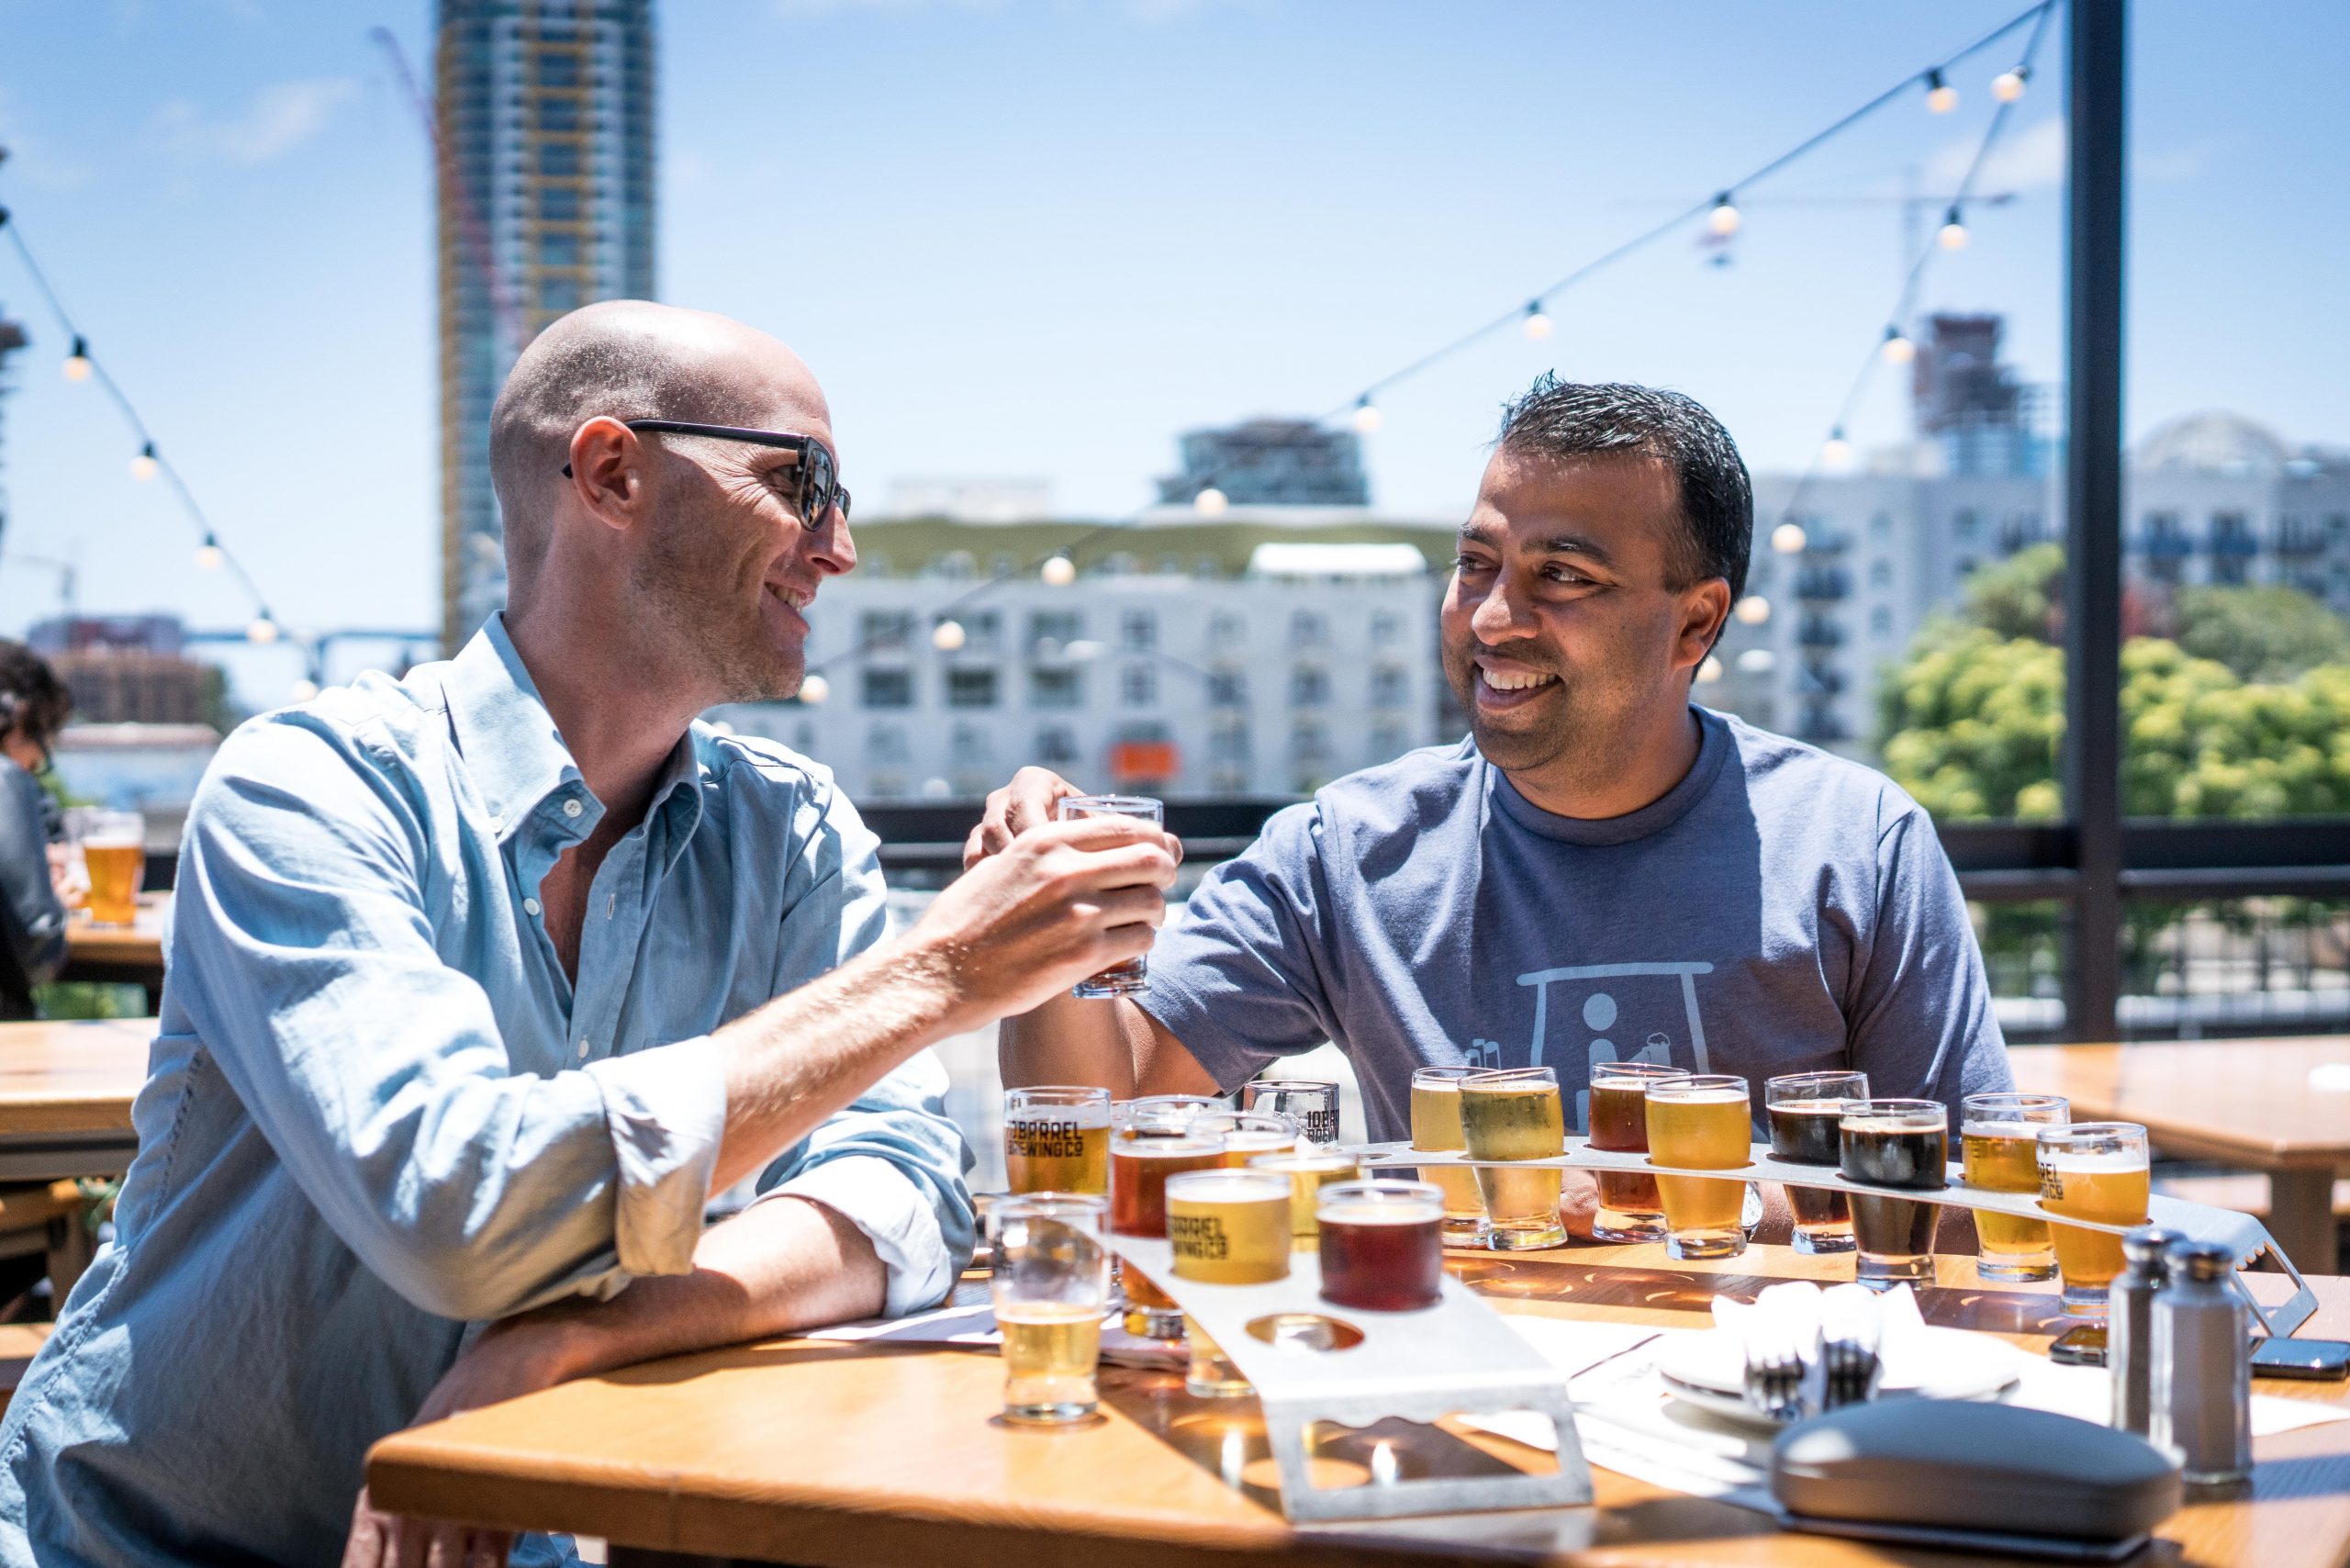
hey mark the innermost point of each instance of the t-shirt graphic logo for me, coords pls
(1603, 1004)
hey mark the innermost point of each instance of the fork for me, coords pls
(1774, 1380)
(1849, 1372)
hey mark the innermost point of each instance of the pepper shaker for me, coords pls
(2201, 1396)
(2130, 1350)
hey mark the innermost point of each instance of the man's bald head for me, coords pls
(628, 359)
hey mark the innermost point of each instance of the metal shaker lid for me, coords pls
(2202, 1260)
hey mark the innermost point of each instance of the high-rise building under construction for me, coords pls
(544, 124)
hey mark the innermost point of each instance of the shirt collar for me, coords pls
(1714, 744)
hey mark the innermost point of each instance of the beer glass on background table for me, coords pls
(1313, 1105)
(1516, 1114)
(1894, 1143)
(2096, 1170)
(1629, 1209)
(1149, 1146)
(1118, 979)
(1246, 1134)
(1051, 1284)
(1705, 1121)
(1057, 1138)
(1309, 1170)
(2000, 1137)
(1804, 1110)
(1382, 1247)
(1435, 1126)
(113, 846)
(1225, 1227)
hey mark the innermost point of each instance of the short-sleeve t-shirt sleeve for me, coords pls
(1241, 974)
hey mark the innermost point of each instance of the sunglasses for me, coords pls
(820, 480)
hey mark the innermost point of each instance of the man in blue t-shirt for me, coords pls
(1602, 871)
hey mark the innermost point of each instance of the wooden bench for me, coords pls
(18, 1343)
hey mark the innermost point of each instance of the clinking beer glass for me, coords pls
(1118, 979)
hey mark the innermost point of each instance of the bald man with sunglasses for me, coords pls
(484, 980)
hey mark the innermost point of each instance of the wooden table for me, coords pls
(2248, 1103)
(128, 955)
(65, 1093)
(857, 1455)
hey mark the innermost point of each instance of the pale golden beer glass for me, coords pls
(1516, 1114)
(2095, 1170)
(1051, 1284)
(114, 858)
(1225, 1227)
(1057, 1138)
(1629, 1209)
(1435, 1126)
(1309, 1170)
(1705, 1121)
(1999, 1138)
(1246, 1134)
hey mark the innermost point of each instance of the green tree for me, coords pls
(2263, 634)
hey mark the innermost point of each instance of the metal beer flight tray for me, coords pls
(1455, 1358)
(2244, 1236)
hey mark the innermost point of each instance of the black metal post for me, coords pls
(2097, 85)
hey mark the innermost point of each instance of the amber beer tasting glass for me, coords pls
(2095, 1170)
(1057, 1138)
(1435, 1126)
(1381, 1246)
(1225, 1227)
(1051, 1283)
(1629, 1209)
(1309, 1170)
(1313, 1106)
(1149, 1146)
(1516, 1114)
(1118, 979)
(1804, 1110)
(1703, 1121)
(114, 855)
(1894, 1143)
(2000, 1137)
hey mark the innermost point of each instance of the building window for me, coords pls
(981, 630)
(1308, 629)
(886, 630)
(1881, 622)
(1051, 630)
(558, 68)
(559, 250)
(2228, 570)
(969, 747)
(1138, 686)
(889, 689)
(1388, 687)
(559, 116)
(803, 740)
(1055, 689)
(1138, 631)
(971, 689)
(1227, 688)
(1880, 573)
(1229, 743)
(1881, 525)
(1964, 525)
(558, 294)
(1386, 629)
(559, 204)
(1309, 741)
(885, 745)
(1227, 631)
(559, 160)
(1056, 744)
(1309, 687)
(1387, 741)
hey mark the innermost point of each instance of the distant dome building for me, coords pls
(2214, 442)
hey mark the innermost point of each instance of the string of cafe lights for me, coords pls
(148, 463)
(1722, 218)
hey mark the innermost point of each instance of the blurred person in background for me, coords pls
(34, 705)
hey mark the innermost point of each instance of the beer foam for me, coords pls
(2118, 1164)
(1228, 1187)
(1666, 1092)
(1895, 1122)
(1399, 1212)
(2021, 1132)
(1068, 1116)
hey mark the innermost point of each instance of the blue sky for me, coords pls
(1039, 237)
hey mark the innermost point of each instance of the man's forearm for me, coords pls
(1071, 1040)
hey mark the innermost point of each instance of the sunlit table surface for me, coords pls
(65, 1093)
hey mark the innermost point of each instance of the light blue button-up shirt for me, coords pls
(378, 1112)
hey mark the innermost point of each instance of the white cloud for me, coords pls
(280, 119)
(32, 157)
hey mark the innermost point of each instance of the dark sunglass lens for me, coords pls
(816, 490)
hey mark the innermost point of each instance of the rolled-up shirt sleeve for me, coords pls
(303, 957)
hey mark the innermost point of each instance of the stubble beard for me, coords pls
(733, 645)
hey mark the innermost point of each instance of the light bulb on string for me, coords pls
(144, 467)
(1724, 220)
(1898, 350)
(1835, 451)
(1710, 671)
(813, 689)
(1941, 96)
(1753, 610)
(207, 555)
(1952, 236)
(77, 364)
(262, 629)
(1536, 325)
(1210, 502)
(303, 689)
(2008, 85)
(1366, 415)
(1788, 538)
(947, 636)
(1059, 572)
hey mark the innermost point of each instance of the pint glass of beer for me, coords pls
(2094, 1170)
(1118, 979)
(1999, 1133)
(1052, 1286)
(1516, 1114)
(1309, 1170)
(1225, 1227)
(1435, 1126)
(114, 852)
(1707, 1121)
(1147, 1148)
(1312, 1106)
(1804, 1110)
(1894, 1143)
(1057, 1138)
(1381, 1249)
(1629, 1209)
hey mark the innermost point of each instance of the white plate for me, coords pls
(1933, 1363)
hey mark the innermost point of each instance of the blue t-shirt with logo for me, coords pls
(1779, 910)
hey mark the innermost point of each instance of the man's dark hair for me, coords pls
(33, 702)
(1568, 420)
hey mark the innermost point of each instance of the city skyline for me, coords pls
(265, 144)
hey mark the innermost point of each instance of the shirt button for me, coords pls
(572, 808)
(530, 906)
(583, 1050)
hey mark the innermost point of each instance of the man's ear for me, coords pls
(1705, 610)
(607, 470)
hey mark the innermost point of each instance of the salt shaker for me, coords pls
(2130, 1350)
(2201, 1396)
